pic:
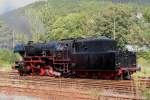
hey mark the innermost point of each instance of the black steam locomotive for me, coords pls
(87, 58)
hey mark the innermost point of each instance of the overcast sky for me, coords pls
(8, 5)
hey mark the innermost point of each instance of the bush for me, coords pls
(145, 55)
(7, 56)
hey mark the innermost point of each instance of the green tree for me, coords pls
(146, 14)
(114, 22)
(140, 29)
(70, 26)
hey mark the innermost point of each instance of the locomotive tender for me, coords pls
(88, 58)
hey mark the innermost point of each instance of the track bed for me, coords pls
(72, 89)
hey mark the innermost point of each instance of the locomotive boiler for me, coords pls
(84, 58)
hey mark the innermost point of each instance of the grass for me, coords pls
(5, 66)
(145, 72)
(145, 68)
(147, 93)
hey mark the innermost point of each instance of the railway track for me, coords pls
(79, 84)
(84, 83)
(48, 94)
(124, 89)
(76, 81)
(53, 91)
(62, 95)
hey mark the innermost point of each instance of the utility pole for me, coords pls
(13, 39)
(114, 29)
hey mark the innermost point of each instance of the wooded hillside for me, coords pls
(128, 22)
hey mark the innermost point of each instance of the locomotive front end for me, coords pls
(126, 64)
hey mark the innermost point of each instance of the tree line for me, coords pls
(62, 19)
(127, 23)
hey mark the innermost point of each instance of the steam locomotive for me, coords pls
(84, 58)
